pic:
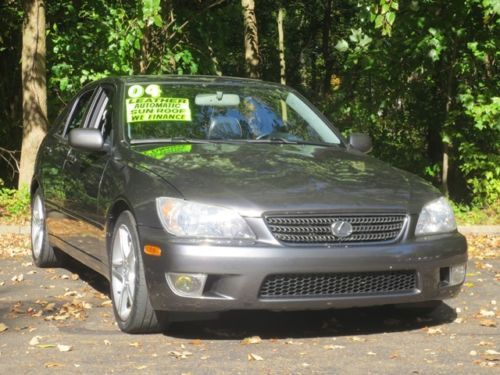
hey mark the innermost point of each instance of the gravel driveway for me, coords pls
(61, 320)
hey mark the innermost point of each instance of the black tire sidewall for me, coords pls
(46, 252)
(141, 295)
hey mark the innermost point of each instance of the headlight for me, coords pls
(188, 219)
(436, 217)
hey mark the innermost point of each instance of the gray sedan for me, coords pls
(208, 194)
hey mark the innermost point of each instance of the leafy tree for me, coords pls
(420, 76)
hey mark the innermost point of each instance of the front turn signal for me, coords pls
(152, 250)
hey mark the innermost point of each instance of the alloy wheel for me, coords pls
(123, 267)
(37, 226)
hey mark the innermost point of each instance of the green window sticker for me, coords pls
(157, 109)
(160, 152)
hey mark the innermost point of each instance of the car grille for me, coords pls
(318, 229)
(338, 284)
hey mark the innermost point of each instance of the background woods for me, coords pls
(420, 76)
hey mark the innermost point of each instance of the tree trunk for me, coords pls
(281, 46)
(327, 55)
(444, 177)
(35, 123)
(251, 39)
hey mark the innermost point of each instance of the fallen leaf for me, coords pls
(196, 342)
(64, 348)
(434, 331)
(357, 339)
(486, 313)
(254, 357)
(371, 353)
(251, 340)
(49, 307)
(134, 344)
(53, 364)
(45, 346)
(180, 355)
(486, 343)
(291, 342)
(473, 353)
(107, 342)
(333, 347)
(35, 340)
(18, 278)
(141, 367)
(3, 327)
(395, 355)
(488, 323)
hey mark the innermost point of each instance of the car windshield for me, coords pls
(221, 113)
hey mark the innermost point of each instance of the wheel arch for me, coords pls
(114, 212)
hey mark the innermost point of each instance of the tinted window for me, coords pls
(78, 116)
(102, 116)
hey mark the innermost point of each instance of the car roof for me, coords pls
(189, 79)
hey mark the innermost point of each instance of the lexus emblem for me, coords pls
(341, 229)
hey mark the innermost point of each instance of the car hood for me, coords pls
(257, 178)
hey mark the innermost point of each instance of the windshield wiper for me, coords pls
(273, 140)
(281, 140)
(168, 140)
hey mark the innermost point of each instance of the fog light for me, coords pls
(187, 284)
(457, 274)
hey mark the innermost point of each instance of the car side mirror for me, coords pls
(361, 142)
(86, 139)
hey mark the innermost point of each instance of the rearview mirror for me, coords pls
(361, 142)
(218, 99)
(86, 139)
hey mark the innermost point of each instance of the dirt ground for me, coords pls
(60, 320)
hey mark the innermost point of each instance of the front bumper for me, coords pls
(236, 273)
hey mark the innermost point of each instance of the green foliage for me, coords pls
(471, 215)
(14, 204)
(99, 38)
(418, 76)
(383, 15)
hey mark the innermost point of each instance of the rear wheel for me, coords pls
(44, 255)
(129, 292)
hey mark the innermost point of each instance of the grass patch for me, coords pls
(477, 216)
(14, 205)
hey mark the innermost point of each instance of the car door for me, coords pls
(56, 149)
(83, 171)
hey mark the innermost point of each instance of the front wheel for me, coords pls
(129, 292)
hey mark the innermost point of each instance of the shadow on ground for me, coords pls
(304, 324)
(236, 325)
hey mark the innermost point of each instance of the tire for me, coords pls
(44, 255)
(128, 289)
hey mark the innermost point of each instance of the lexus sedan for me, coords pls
(206, 194)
